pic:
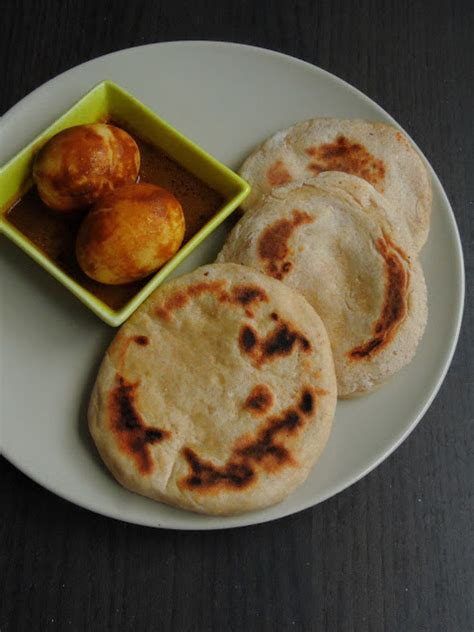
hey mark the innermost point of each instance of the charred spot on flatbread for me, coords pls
(279, 342)
(247, 339)
(211, 287)
(143, 341)
(265, 450)
(205, 475)
(260, 400)
(132, 434)
(349, 157)
(247, 294)
(278, 174)
(244, 295)
(177, 301)
(395, 305)
(306, 403)
(273, 248)
(181, 298)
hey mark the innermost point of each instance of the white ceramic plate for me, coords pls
(228, 98)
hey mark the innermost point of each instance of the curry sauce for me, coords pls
(55, 234)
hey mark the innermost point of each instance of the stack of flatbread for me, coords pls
(340, 210)
(219, 393)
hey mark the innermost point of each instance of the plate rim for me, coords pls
(252, 518)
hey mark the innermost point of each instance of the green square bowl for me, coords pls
(108, 101)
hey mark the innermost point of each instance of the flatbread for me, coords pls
(376, 152)
(340, 252)
(218, 394)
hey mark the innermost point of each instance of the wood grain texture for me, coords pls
(394, 552)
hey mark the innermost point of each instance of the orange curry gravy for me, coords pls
(55, 234)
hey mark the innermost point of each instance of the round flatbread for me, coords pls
(344, 258)
(218, 394)
(376, 152)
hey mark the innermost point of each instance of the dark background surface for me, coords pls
(394, 552)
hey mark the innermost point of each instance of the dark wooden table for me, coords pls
(394, 552)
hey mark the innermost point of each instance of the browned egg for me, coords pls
(130, 233)
(80, 164)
